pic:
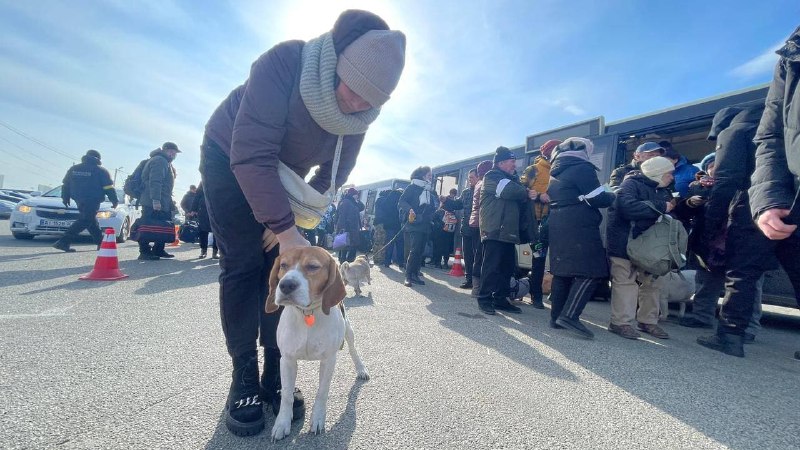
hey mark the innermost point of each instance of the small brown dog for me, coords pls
(356, 273)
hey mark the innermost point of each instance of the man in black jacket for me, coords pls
(773, 193)
(503, 198)
(188, 200)
(466, 237)
(158, 180)
(88, 184)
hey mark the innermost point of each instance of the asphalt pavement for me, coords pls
(141, 364)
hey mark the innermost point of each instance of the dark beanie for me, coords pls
(502, 154)
(93, 153)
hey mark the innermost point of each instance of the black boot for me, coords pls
(486, 305)
(270, 386)
(63, 246)
(728, 343)
(502, 304)
(244, 415)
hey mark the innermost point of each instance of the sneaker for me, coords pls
(214, 255)
(147, 257)
(63, 246)
(692, 322)
(555, 326)
(505, 305)
(653, 330)
(576, 327)
(625, 331)
(466, 285)
(244, 415)
(202, 255)
(417, 280)
(730, 344)
(486, 307)
(749, 338)
(164, 254)
(408, 283)
(537, 303)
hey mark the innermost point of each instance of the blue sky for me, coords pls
(124, 76)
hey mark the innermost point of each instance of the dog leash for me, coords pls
(390, 242)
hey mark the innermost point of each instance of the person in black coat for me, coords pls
(391, 225)
(638, 194)
(577, 257)
(348, 219)
(416, 207)
(200, 211)
(467, 242)
(88, 184)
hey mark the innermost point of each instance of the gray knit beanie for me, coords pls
(372, 64)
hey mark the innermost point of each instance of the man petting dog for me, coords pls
(301, 102)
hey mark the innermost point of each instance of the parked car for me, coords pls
(46, 216)
(6, 207)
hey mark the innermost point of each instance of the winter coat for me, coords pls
(576, 248)
(424, 215)
(392, 218)
(466, 198)
(734, 164)
(684, 175)
(618, 174)
(629, 207)
(475, 214)
(88, 182)
(349, 219)
(187, 201)
(158, 180)
(777, 175)
(502, 198)
(537, 177)
(198, 206)
(265, 120)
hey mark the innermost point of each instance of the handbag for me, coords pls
(308, 205)
(661, 248)
(341, 240)
(189, 232)
(153, 229)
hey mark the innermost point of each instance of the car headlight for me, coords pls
(24, 209)
(106, 214)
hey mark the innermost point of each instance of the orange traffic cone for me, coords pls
(106, 266)
(458, 265)
(177, 242)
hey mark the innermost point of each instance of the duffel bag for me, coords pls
(152, 229)
(189, 232)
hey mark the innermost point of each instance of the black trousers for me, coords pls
(499, 262)
(348, 254)
(415, 242)
(569, 295)
(87, 220)
(158, 247)
(746, 265)
(537, 272)
(442, 241)
(204, 242)
(477, 252)
(469, 254)
(245, 268)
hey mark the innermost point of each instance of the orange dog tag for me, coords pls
(309, 320)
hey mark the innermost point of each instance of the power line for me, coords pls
(37, 173)
(28, 152)
(33, 139)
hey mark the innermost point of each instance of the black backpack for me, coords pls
(133, 184)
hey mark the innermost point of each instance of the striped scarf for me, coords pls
(317, 81)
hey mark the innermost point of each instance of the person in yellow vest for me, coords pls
(537, 177)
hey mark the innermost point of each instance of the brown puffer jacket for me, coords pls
(474, 217)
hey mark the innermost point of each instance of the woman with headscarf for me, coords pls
(417, 205)
(577, 258)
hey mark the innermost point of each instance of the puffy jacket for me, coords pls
(537, 177)
(158, 179)
(629, 207)
(618, 174)
(424, 214)
(777, 175)
(684, 175)
(475, 214)
(502, 197)
(88, 182)
(188, 200)
(265, 120)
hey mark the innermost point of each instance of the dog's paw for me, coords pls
(282, 428)
(317, 422)
(362, 373)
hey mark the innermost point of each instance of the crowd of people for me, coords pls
(309, 104)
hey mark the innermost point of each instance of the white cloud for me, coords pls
(762, 64)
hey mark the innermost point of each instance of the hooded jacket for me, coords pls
(629, 207)
(684, 175)
(537, 177)
(264, 121)
(777, 175)
(576, 248)
(158, 180)
(502, 198)
(88, 182)
(424, 214)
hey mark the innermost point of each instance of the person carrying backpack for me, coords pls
(158, 180)
(631, 214)
(88, 184)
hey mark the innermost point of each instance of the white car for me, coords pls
(46, 215)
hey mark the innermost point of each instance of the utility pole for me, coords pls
(118, 169)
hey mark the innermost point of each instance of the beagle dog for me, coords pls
(313, 326)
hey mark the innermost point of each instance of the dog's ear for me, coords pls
(334, 291)
(271, 306)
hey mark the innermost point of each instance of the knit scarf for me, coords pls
(317, 80)
(425, 195)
